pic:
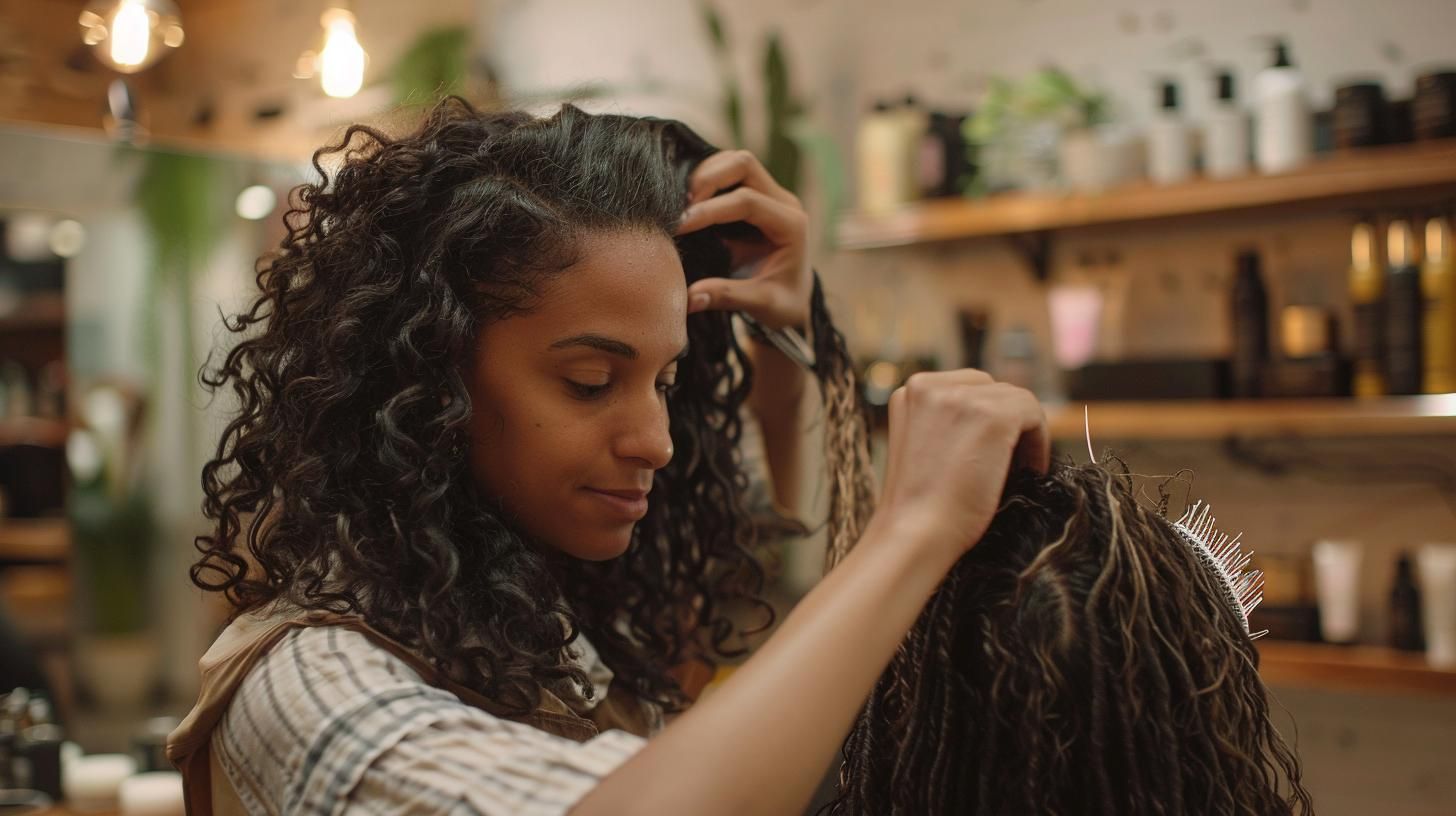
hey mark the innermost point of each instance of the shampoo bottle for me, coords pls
(1170, 145)
(1403, 306)
(1284, 137)
(1438, 290)
(1225, 133)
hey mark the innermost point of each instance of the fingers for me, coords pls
(781, 223)
(752, 295)
(729, 167)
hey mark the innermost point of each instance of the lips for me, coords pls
(629, 505)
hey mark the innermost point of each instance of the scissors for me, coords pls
(791, 343)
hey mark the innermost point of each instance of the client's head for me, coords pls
(1080, 659)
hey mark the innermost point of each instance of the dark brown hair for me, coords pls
(341, 484)
(1078, 660)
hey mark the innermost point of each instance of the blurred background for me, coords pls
(1218, 235)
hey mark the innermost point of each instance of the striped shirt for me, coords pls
(329, 723)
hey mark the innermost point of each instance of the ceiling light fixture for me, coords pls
(130, 35)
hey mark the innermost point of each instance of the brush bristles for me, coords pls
(1226, 558)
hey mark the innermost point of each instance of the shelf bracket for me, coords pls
(1035, 249)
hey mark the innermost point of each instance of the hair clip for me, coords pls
(1222, 555)
(791, 343)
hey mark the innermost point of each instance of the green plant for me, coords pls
(1049, 96)
(790, 135)
(436, 65)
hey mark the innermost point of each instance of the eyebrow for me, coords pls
(606, 344)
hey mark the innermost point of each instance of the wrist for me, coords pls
(915, 538)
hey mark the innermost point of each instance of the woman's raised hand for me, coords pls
(954, 436)
(777, 293)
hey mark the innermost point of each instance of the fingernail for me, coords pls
(699, 301)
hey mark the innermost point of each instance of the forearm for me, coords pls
(761, 743)
(777, 400)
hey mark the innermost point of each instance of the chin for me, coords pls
(599, 545)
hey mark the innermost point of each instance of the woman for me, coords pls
(1081, 659)
(484, 493)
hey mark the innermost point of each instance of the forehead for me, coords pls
(628, 285)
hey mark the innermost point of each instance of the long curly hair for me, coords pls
(340, 483)
(1078, 660)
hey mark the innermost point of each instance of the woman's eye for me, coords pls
(587, 390)
(666, 387)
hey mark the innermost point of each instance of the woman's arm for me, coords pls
(760, 744)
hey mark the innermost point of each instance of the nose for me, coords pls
(643, 433)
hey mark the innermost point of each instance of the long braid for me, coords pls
(846, 441)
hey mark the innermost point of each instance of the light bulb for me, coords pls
(341, 63)
(129, 34)
(255, 202)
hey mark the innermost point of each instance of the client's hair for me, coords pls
(1079, 659)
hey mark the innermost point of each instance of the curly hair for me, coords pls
(340, 485)
(1079, 659)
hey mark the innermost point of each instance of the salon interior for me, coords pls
(1214, 239)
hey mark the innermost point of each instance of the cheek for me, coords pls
(530, 459)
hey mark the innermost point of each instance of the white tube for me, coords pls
(153, 794)
(1337, 587)
(1436, 564)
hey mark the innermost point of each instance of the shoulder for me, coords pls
(327, 720)
(315, 707)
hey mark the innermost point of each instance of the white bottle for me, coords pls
(1170, 144)
(881, 161)
(1284, 135)
(1225, 133)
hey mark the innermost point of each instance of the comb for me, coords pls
(1224, 557)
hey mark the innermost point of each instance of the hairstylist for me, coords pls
(485, 492)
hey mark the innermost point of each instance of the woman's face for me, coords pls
(570, 414)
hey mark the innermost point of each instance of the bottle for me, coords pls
(1284, 135)
(1250, 313)
(1225, 132)
(914, 127)
(882, 161)
(1170, 146)
(1438, 323)
(1405, 609)
(38, 751)
(1367, 294)
(1402, 311)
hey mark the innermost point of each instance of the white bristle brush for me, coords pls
(1225, 558)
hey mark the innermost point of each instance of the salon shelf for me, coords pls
(1349, 177)
(49, 433)
(43, 540)
(1433, 414)
(45, 310)
(1366, 669)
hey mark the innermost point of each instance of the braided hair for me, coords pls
(1078, 660)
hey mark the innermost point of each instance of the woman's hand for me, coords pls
(954, 436)
(777, 293)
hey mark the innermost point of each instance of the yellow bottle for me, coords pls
(1367, 294)
(1438, 292)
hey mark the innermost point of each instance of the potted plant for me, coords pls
(113, 536)
(1033, 135)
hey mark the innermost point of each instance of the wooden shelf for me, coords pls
(1433, 414)
(46, 310)
(1366, 669)
(46, 540)
(1429, 166)
(50, 433)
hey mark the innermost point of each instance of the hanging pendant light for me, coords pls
(130, 35)
(340, 63)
